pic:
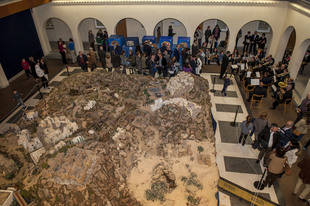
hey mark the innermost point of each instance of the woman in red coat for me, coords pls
(304, 177)
(26, 67)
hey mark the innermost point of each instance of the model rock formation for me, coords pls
(112, 139)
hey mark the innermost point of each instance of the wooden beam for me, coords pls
(19, 6)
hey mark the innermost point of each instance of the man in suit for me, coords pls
(268, 139)
(246, 42)
(207, 34)
(224, 64)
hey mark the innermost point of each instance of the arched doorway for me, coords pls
(214, 32)
(254, 35)
(130, 27)
(303, 65)
(91, 32)
(175, 27)
(287, 45)
(57, 29)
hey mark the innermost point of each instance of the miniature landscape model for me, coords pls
(115, 140)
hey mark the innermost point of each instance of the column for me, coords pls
(76, 38)
(3, 80)
(45, 45)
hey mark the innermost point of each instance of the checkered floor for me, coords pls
(236, 163)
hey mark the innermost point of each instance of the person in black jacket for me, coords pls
(224, 65)
(82, 61)
(101, 54)
(246, 42)
(207, 34)
(259, 90)
(268, 139)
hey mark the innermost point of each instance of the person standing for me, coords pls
(303, 108)
(303, 177)
(216, 33)
(19, 99)
(268, 139)
(259, 124)
(276, 166)
(91, 39)
(101, 54)
(198, 65)
(246, 42)
(32, 64)
(105, 41)
(263, 42)
(62, 50)
(92, 59)
(227, 82)
(224, 64)
(44, 67)
(246, 129)
(40, 74)
(72, 50)
(139, 63)
(207, 34)
(170, 31)
(198, 35)
(82, 61)
(26, 67)
(158, 32)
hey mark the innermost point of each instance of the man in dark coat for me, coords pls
(224, 65)
(207, 34)
(82, 61)
(268, 139)
(304, 177)
(101, 54)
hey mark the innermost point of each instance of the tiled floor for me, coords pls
(236, 163)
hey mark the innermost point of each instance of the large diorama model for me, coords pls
(115, 140)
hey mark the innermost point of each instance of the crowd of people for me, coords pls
(277, 145)
(37, 69)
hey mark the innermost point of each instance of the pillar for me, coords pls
(45, 45)
(297, 57)
(3, 80)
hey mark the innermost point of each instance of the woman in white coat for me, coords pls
(40, 73)
(199, 65)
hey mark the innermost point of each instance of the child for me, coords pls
(226, 84)
(246, 128)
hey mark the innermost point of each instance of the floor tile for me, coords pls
(242, 165)
(228, 93)
(216, 80)
(228, 108)
(230, 134)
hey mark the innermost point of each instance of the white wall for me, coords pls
(135, 29)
